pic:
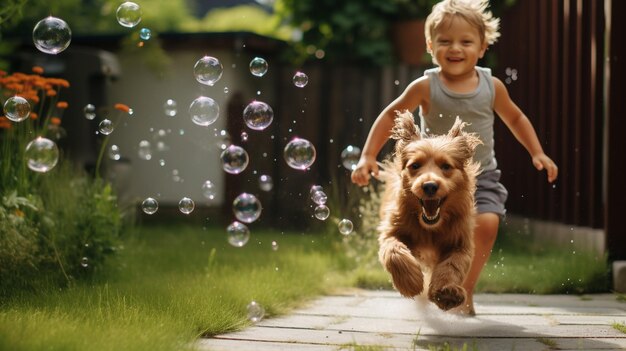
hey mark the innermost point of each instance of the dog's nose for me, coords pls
(430, 188)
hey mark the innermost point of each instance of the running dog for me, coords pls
(428, 211)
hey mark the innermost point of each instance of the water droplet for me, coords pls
(128, 14)
(105, 127)
(300, 79)
(204, 111)
(186, 205)
(169, 107)
(345, 226)
(149, 206)
(258, 66)
(238, 234)
(350, 157)
(41, 154)
(234, 159)
(52, 35)
(258, 115)
(16, 108)
(255, 312)
(265, 182)
(247, 208)
(322, 212)
(208, 70)
(299, 154)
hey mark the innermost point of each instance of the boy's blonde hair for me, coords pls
(473, 11)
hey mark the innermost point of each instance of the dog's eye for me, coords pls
(446, 167)
(414, 166)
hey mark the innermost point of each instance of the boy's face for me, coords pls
(456, 46)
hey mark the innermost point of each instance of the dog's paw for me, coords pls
(409, 285)
(447, 297)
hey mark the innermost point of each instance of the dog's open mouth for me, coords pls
(430, 210)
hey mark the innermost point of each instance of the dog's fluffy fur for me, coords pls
(428, 211)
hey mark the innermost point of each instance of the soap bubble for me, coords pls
(208, 70)
(204, 111)
(258, 67)
(114, 152)
(41, 154)
(300, 79)
(90, 111)
(350, 157)
(234, 159)
(315, 188)
(265, 182)
(321, 212)
(345, 226)
(144, 150)
(149, 206)
(105, 127)
(274, 246)
(169, 107)
(255, 312)
(52, 35)
(258, 115)
(186, 205)
(16, 108)
(238, 234)
(145, 33)
(319, 197)
(128, 14)
(244, 136)
(84, 262)
(299, 153)
(247, 208)
(208, 190)
(223, 139)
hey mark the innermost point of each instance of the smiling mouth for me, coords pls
(431, 209)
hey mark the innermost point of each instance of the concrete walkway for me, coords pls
(382, 320)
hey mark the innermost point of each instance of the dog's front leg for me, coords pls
(445, 286)
(405, 272)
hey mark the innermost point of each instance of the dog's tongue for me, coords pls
(431, 207)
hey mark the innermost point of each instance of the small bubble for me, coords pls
(149, 206)
(345, 226)
(145, 33)
(300, 79)
(258, 67)
(84, 262)
(255, 312)
(128, 14)
(274, 246)
(186, 205)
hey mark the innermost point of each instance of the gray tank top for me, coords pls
(474, 108)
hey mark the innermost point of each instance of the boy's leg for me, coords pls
(484, 237)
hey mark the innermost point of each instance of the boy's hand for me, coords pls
(542, 161)
(365, 167)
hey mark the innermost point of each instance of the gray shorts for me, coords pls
(490, 193)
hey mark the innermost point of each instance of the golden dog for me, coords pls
(428, 211)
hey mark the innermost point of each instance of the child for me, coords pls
(458, 33)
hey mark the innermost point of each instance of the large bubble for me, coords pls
(234, 159)
(258, 115)
(149, 206)
(299, 153)
(105, 127)
(16, 108)
(208, 70)
(52, 35)
(247, 208)
(350, 157)
(258, 66)
(128, 14)
(204, 111)
(238, 234)
(41, 154)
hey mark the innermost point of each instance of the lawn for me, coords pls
(170, 285)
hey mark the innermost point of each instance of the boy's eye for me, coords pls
(414, 166)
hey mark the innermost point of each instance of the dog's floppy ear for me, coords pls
(469, 140)
(404, 130)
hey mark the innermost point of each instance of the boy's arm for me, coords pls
(410, 99)
(522, 129)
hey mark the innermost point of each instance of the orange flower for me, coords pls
(19, 213)
(38, 69)
(62, 104)
(51, 92)
(55, 121)
(122, 107)
(4, 122)
(33, 115)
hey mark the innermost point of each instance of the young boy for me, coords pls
(458, 33)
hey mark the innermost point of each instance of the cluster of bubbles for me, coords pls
(319, 197)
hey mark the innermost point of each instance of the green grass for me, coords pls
(170, 286)
(619, 327)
